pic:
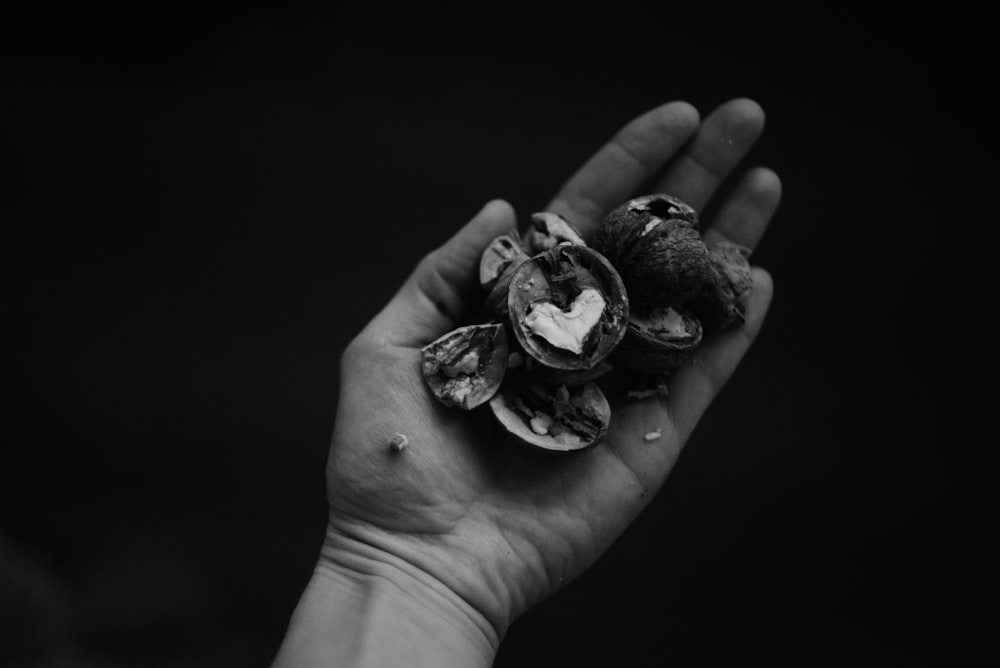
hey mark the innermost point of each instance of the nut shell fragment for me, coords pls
(398, 442)
(722, 302)
(653, 386)
(502, 256)
(654, 243)
(582, 295)
(466, 366)
(552, 418)
(496, 267)
(659, 342)
(549, 230)
(666, 207)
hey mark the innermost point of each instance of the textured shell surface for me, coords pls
(466, 366)
(552, 418)
(722, 303)
(654, 243)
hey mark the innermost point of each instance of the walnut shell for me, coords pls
(466, 366)
(502, 256)
(666, 207)
(659, 342)
(552, 418)
(548, 230)
(654, 243)
(496, 303)
(568, 307)
(722, 302)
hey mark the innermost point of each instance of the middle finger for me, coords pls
(723, 139)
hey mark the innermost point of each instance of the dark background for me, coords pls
(202, 211)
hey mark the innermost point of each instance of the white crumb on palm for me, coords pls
(398, 442)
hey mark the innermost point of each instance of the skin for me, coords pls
(465, 530)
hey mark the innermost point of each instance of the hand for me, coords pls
(487, 524)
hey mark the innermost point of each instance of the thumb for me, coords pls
(444, 288)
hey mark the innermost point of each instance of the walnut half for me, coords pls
(552, 418)
(466, 366)
(568, 307)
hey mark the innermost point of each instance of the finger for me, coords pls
(444, 288)
(632, 156)
(744, 215)
(723, 139)
(694, 385)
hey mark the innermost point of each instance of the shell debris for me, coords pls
(658, 390)
(653, 435)
(398, 442)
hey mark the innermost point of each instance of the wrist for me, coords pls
(414, 593)
(366, 607)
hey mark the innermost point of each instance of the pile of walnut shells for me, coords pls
(640, 297)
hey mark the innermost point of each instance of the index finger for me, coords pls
(635, 153)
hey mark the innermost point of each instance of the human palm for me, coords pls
(501, 525)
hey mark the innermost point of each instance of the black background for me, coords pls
(202, 211)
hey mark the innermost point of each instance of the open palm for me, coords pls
(496, 523)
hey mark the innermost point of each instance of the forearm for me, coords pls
(360, 611)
